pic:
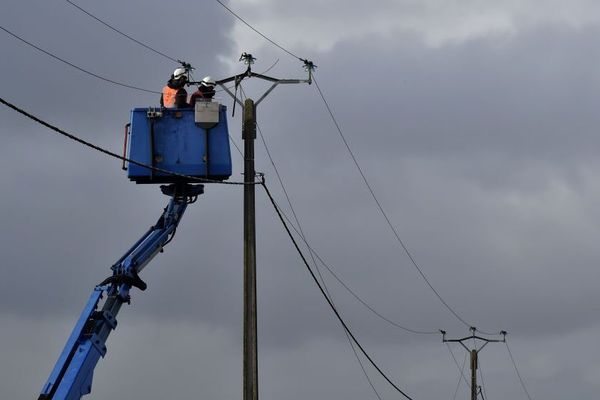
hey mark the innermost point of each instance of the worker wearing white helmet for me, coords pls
(174, 94)
(205, 92)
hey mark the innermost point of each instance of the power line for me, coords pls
(474, 352)
(382, 211)
(75, 66)
(481, 393)
(394, 231)
(373, 310)
(120, 32)
(259, 32)
(301, 233)
(461, 370)
(327, 293)
(457, 365)
(354, 294)
(236, 146)
(517, 371)
(314, 254)
(112, 154)
(358, 166)
(482, 388)
(489, 333)
(331, 305)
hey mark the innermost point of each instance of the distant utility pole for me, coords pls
(474, 353)
(250, 390)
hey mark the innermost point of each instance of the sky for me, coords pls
(473, 121)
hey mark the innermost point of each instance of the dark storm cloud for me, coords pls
(483, 153)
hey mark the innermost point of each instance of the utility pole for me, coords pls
(474, 353)
(250, 315)
(250, 386)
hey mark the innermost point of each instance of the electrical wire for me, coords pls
(381, 209)
(482, 387)
(373, 310)
(115, 155)
(517, 371)
(352, 292)
(490, 333)
(271, 67)
(461, 369)
(359, 169)
(331, 305)
(287, 196)
(120, 32)
(236, 146)
(302, 235)
(355, 295)
(327, 290)
(362, 367)
(457, 365)
(259, 32)
(75, 66)
(314, 253)
(481, 393)
(394, 231)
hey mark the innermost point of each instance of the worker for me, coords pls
(205, 92)
(174, 94)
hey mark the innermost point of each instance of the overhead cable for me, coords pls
(257, 31)
(314, 254)
(115, 155)
(393, 229)
(517, 371)
(482, 387)
(382, 211)
(373, 310)
(354, 294)
(461, 370)
(301, 233)
(457, 365)
(121, 33)
(236, 146)
(331, 305)
(75, 66)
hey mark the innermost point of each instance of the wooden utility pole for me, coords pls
(474, 352)
(473, 374)
(250, 315)
(249, 135)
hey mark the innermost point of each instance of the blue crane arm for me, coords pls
(72, 375)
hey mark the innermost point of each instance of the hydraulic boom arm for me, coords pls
(72, 375)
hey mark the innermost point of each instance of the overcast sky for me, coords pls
(475, 123)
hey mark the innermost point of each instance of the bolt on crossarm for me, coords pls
(474, 353)
(250, 362)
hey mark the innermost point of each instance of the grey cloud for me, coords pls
(482, 152)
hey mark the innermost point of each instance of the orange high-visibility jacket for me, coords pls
(168, 97)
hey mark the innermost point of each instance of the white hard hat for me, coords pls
(208, 81)
(178, 73)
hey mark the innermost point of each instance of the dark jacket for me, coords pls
(203, 92)
(174, 95)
